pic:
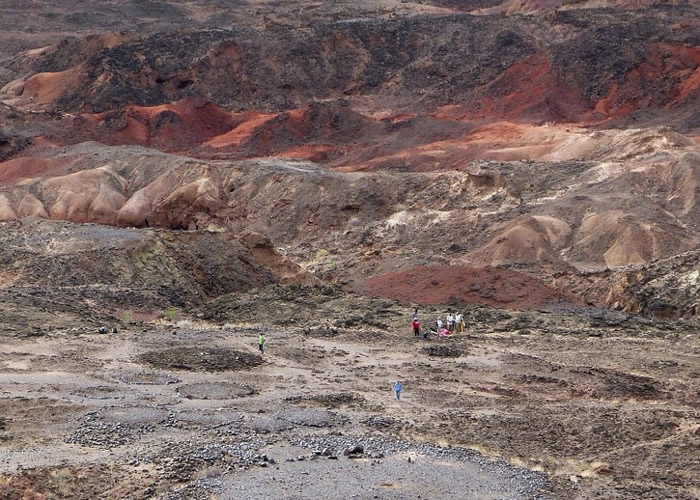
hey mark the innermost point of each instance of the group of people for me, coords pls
(454, 323)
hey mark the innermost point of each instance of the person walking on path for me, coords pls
(398, 387)
(416, 327)
(261, 343)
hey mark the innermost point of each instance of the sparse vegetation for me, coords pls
(170, 314)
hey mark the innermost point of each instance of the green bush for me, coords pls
(170, 314)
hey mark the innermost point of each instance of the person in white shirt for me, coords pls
(459, 322)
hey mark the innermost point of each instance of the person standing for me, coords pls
(416, 327)
(438, 323)
(398, 387)
(450, 322)
(261, 343)
(415, 313)
(459, 322)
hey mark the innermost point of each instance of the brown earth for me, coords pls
(195, 173)
(590, 202)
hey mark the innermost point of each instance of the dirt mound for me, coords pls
(129, 269)
(527, 239)
(214, 390)
(443, 351)
(622, 239)
(210, 359)
(466, 285)
(179, 126)
(628, 386)
(332, 400)
(327, 126)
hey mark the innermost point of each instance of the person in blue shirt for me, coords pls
(398, 387)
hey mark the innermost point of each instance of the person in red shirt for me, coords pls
(416, 327)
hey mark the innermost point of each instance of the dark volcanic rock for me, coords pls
(201, 359)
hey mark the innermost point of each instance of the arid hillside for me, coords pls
(359, 144)
(566, 66)
(218, 216)
(362, 141)
(614, 206)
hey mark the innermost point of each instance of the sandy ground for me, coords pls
(608, 411)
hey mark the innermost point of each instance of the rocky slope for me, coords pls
(370, 145)
(199, 172)
(575, 215)
(97, 270)
(563, 67)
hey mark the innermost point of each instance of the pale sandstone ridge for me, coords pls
(6, 211)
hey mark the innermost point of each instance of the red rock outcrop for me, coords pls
(470, 285)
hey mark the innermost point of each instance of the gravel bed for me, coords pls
(179, 461)
(149, 378)
(333, 400)
(212, 359)
(95, 432)
(215, 390)
(297, 417)
(527, 482)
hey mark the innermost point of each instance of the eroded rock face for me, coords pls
(11, 145)
(364, 145)
(668, 288)
(613, 206)
(562, 67)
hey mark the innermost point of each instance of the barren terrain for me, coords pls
(194, 173)
(190, 410)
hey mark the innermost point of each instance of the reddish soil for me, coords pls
(179, 126)
(669, 76)
(529, 91)
(16, 169)
(468, 285)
